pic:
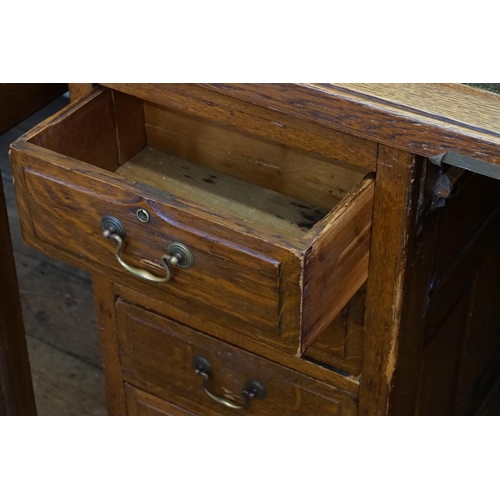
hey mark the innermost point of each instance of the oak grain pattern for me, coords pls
(246, 282)
(16, 388)
(340, 345)
(392, 212)
(419, 247)
(269, 124)
(363, 115)
(130, 129)
(20, 100)
(85, 131)
(104, 298)
(276, 355)
(336, 265)
(79, 90)
(450, 102)
(257, 207)
(287, 170)
(160, 351)
(256, 271)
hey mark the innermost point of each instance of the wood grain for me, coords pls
(79, 90)
(142, 404)
(254, 267)
(264, 122)
(258, 208)
(130, 129)
(306, 177)
(157, 350)
(340, 346)
(104, 297)
(367, 116)
(246, 281)
(88, 135)
(303, 365)
(337, 264)
(392, 212)
(452, 103)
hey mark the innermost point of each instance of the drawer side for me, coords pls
(336, 265)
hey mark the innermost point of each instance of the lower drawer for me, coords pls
(142, 404)
(193, 370)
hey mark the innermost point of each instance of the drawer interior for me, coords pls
(264, 186)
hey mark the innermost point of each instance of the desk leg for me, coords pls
(16, 388)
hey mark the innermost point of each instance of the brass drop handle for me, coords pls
(177, 254)
(253, 389)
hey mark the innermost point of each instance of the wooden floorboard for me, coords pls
(58, 312)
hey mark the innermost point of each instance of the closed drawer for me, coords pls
(157, 356)
(276, 256)
(142, 404)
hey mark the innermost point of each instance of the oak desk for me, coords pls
(279, 249)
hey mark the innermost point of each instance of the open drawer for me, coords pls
(270, 242)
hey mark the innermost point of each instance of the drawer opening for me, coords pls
(280, 237)
(267, 187)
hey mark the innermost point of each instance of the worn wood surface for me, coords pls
(455, 104)
(88, 135)
(437, 348)
(337, 264)
(269, 124)
(426, 133)
(392, 212)
(303, 365)
(20, 100)
(79, 90)
(287, 170)
(104, 297)
(130, 125)
(159, 351)
(421, 352)
(255, 268)
(340, 346)
(140, 403)
(259, 208)
(64, 383)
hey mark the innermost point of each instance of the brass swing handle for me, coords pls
(177, 254)
(253, 388)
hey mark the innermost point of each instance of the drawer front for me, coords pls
(142, 404)
(278, 271)
(228, 283)
(157, 355)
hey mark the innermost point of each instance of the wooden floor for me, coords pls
(58, 313)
